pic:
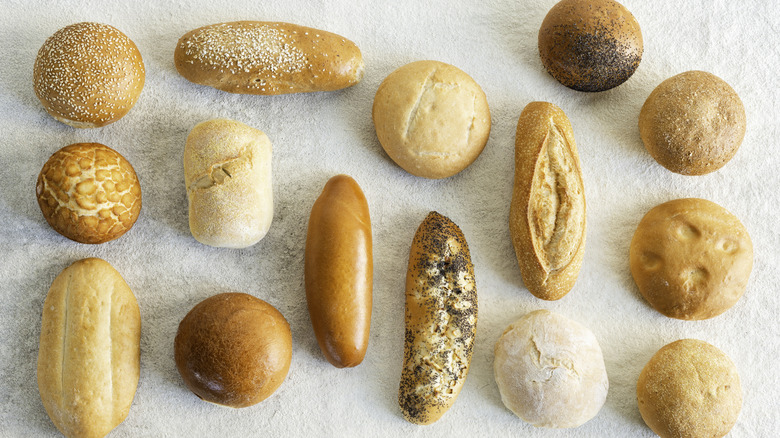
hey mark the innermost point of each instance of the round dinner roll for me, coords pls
(550, 371)
(691, 258)
(431, 118)
(89, 193)
(233, 349)
(590, 45)
(692, 123)
(689, 389)
(88, 75)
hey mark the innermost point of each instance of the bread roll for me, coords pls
(431, 118)
(89, 193)
(550, 371)
(339, 271)
(89, 352)
(255, 57)
(590, 45)
(441, 320)
(692, 123)
(88, 75)
(689, 389)
(233, 349)
(547, 213)
(227, 172)
(691, 258)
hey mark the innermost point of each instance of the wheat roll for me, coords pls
(441, 320)
(547, 212)
(88, 75)
(255, 57)
(89, 351)
(227, 173)
(89, 193)
(431, 118)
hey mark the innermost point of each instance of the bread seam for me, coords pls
(65, 335)
(413, 113)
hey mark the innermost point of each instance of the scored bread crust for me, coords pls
(547, 213)
(89, 351)
(441, 320)
(268, 58)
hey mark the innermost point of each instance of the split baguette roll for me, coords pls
(441, 320)
(339, 271)
(227, 172)
(89, 351)
(256, 57)
(547, 214)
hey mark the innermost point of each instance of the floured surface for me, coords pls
(316, 136)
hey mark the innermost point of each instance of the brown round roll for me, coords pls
(89, 193)
(88, 75)
(233, 349)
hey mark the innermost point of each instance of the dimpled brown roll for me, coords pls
(233, 349)
(89, 193)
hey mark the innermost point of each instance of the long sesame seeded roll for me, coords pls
(254, 57)
(441, 320)
(88, 75)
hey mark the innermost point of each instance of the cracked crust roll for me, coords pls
(431, 118)
(339, 271)
(550, 371)
(441, 320)
(547, 213)
(227, 172)
(268, 58)
(89, 351)
(89, 193)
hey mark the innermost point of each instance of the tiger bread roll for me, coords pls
(441, 320)
(227, 172)
(550, 371)
(339, 271)
(547, 213)
(89, 351)
(256, 57)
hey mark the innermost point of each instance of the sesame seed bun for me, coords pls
(88, 75)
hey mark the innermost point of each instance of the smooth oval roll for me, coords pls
(227, 172)
(90, 349)
(339, 271)
(256, 57)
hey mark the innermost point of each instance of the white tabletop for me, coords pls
(319, 135)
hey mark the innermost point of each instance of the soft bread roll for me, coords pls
(692, 123)
(431, 118)
(233, 349)
(89, 352)
(441, 320)
(227, 172)
(88, 75)
(550, 371)
(689, 389)
(255, 57)
(339, 271)
(89, 193)
(547, 213)
(691, 258)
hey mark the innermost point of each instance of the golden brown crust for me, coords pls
(689, 389)
(255, 57)
(692, 123)
(691, 258)
(89, 193)
(89, 351)
(88, 75)
(441, 320)
(590, 45)
(431, 118)
(233, 349)
(339, 271)
(547, 214)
